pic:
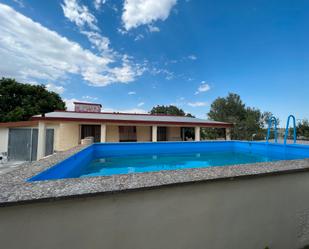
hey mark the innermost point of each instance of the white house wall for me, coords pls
(4, 139)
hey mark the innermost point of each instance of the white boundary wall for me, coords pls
(250, 213)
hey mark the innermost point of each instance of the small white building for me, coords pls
(62, 130)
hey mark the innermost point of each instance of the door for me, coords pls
(19, 148)
(34, 146)
(162, 134)
(49, 146)
(23, 144)
(91, 131)
(187, 133)
(127, 134)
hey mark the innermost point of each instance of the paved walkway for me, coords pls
(9, 166)
(290, 141)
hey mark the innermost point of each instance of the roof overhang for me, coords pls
(201, 124)
(29, 123)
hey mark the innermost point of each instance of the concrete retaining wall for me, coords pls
(251, 213)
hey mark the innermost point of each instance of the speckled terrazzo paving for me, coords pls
(14, 189)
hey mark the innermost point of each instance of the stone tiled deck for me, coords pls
(14, 189)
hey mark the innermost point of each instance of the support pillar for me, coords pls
(41, 140)
(227, 133)
(103, 133)
(197, 133)
(154, 133)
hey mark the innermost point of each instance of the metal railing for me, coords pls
(287, 129)
(270, 122)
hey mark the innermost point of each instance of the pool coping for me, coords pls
(15, 190)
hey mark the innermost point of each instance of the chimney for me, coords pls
(87, 107)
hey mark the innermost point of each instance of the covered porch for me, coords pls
(143, 133)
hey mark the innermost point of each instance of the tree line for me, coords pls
(19, 102)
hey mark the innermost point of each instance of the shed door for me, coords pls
(19, 148)
(23, 144)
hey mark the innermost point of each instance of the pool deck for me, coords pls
(15, 190)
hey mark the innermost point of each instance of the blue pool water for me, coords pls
(127, 158)
(145, 163)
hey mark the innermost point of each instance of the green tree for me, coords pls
(303, 129)
(21, 101)
(230, 109)
(170, 110)
(249, 123)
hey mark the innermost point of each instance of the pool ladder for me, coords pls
(287, 129)
(270, 122)
(274, 120)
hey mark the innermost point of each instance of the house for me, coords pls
(63, 130)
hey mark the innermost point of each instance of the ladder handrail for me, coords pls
(287, 129)
(270, 121)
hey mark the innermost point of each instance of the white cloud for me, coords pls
(83, 18)
(131, 93)
(70, 107)
(20, 3)
(192, 57)
(167, 74)
(99, 3)
(98, 41)
(153, 28)
(34, 53)
(140, 12)
(69, 103)
(79, 14)
(54, 88)
(204, 87)
(140, 104)
(197, 104)
(133, 110)
(90, 98)
(139, 37)
(126, 72)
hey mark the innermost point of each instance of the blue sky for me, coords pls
(132, 55)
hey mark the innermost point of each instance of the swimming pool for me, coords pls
(106, 159)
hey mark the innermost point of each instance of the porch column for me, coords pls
(103, 133)
(154, 133)
(41, 140)
(197, 133)
(227, 134)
